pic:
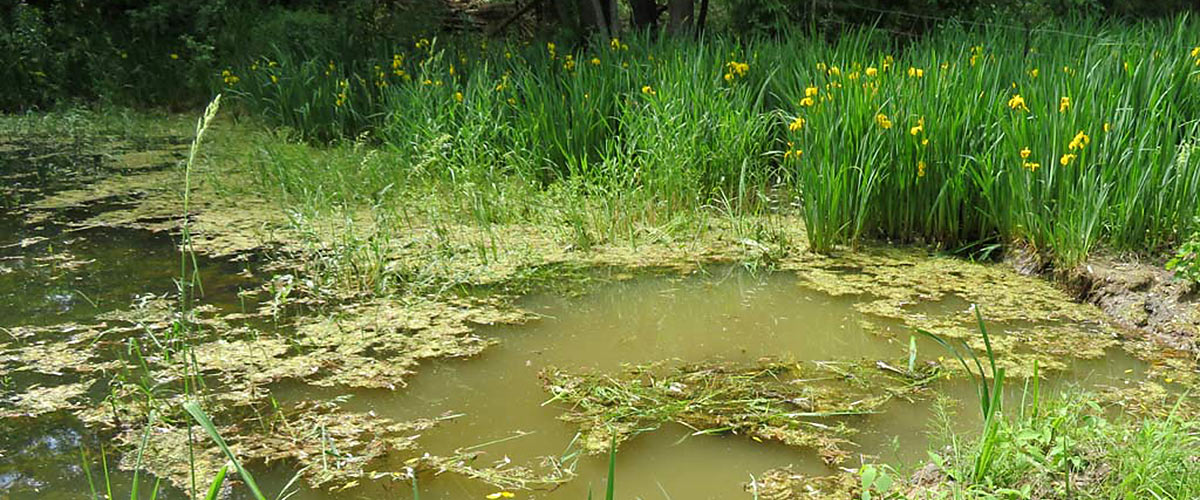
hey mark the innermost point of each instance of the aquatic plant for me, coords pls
(990, 394)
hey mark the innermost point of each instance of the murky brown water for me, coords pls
(729, 315)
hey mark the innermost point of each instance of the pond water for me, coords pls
(495, 403)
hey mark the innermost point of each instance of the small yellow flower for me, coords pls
(924, 141)
(728, 77)
(615, 44)
(883, 121)
(921, 168)
(945, 65)
(796, 124)
(1107, 127)
(174, 57)
(512, 102)
(1079, 141)
(833, 70)
(595, 61)
(870, 71)
(648, 90)
(1025, 153)
(1033, 72)
(1064, 104)
(1196, 52)
(810, 92)
(1017, 102)
(458, 96)
(1032, 166)
(274, 79)
(791, 152)
(822, 66)
(919, 128)
(1066, 159)
(501, 494)
(915, 72)
(807, 101)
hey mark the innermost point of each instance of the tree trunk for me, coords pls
(594, 16)
(645, 14)
(680, 13)
(703, 19)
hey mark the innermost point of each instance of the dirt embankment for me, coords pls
(1143, 298)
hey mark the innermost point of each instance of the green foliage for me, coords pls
(1186, 261)
(925, 143)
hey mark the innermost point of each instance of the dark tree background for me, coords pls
(168, 52)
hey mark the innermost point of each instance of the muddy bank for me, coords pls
(1149, 303)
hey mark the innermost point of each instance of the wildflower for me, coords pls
(550, 47)
(924, 141)
(833, 70)
(796, 124)
(883, 121)
(1017, 102)
(822, 66)
(422, 43)
(458, 96)
(1068, 70)
(274, 79)
(625, 64)
(1066, 159)
(945, 65)
(853, 75)
(810, 91)
(792, 152)
(272, 64)
(1079, 141)
(921, 168)
(507, 55)
(512, 102)
(569, 65)
(1064, 104)
(254, 67)
(1025, 152)
(915, 72)
(1033, 72)
(451, 70)
(615, 43)
(919, 128)
(1032, 166)
(1196, 52)
(595, 61)
(807, 102)
(501, 494)
(887, 61)
(648, 90)
(174, 56)
(870, 71)
(737, 69)
(1107, 127)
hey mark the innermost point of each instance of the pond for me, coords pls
(498, 408)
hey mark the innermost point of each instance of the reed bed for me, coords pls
(963, 138)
